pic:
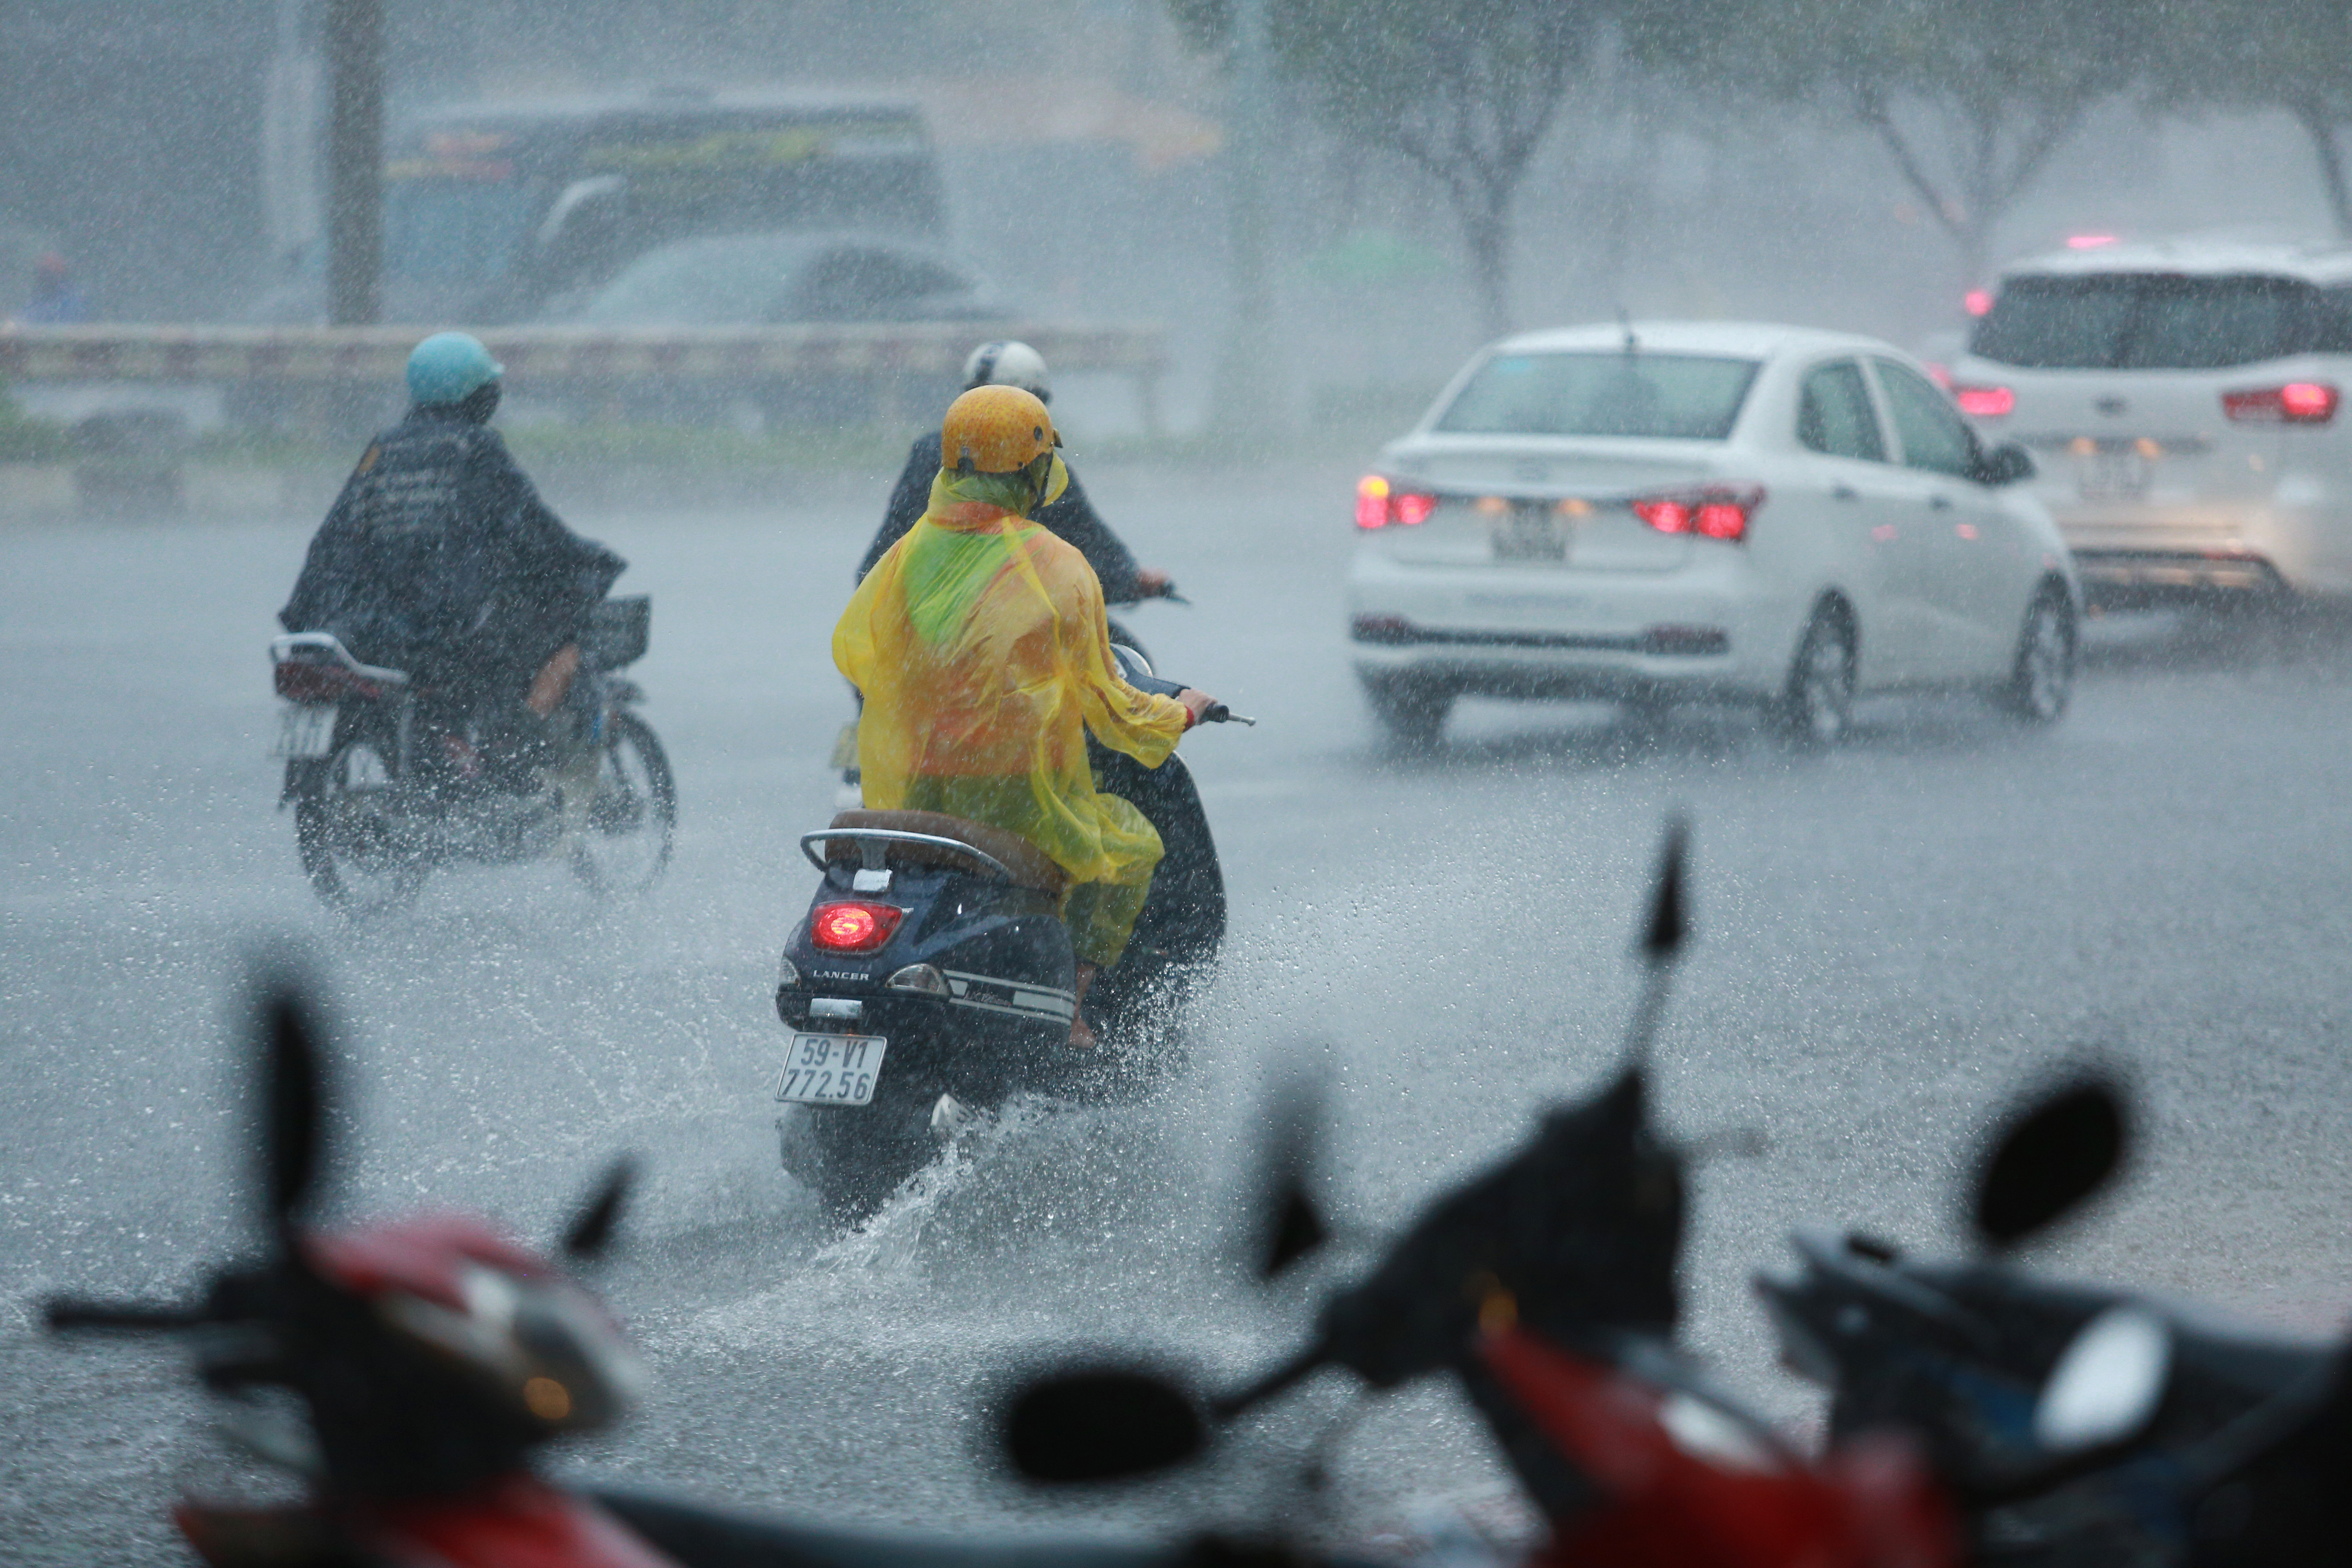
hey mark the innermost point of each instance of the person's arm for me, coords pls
(909, 498)
(563, 575)
(1072, 518)
(1145, 726)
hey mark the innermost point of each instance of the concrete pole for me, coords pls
(353, 39)
(1249, 399)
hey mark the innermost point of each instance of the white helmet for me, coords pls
(1009, 365)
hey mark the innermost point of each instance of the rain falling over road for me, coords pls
(1891, 938)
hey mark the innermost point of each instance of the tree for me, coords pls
(1970, 99)
(2293, 54)
(1464, 89)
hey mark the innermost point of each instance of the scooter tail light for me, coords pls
(297, 681)
(2296, 402)
(1715, 512)
(852, 927)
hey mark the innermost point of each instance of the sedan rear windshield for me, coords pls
(1685, 397)
(2154, 321)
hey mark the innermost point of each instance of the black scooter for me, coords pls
(933, 977)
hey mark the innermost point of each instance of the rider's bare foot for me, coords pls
(1082, 1037)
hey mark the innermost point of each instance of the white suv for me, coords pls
(2182, 401)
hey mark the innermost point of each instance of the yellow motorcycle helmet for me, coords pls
(1004, 430)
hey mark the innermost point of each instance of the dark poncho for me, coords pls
(439, 558)
(1072, 518)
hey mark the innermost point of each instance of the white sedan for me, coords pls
(1659, 511)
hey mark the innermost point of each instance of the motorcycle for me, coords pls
(387, 781)
(2183, 1407)
(429, 1358)
(933, 977)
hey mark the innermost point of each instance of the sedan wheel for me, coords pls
(1412, 713)
(1818, 705)
(2043, 676)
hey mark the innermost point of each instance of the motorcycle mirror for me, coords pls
(1100, 1423)
(1661, 938)
(2108, 1385)
(293, 1095)
(1669, 925)
(2050, 1159)
(1294, 1227)
(591, 1228)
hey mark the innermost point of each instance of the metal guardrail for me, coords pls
(320, 356)
(219, 352)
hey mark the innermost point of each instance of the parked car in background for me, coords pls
(2183, 400)
(1661, 511)
(762, 280)
(777, 279)
(492, 210)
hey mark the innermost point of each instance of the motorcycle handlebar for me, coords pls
(65, 1312)
(1272, 1384)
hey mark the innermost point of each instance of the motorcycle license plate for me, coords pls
(308, 732)
(832, 1069)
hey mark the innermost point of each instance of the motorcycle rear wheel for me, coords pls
(361, 857)
(633, 821)
(854, 1159)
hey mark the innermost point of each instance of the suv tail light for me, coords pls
(1377, 505)
(1985, 401)
(1716, 512)
(2296, 402)
(852, 927)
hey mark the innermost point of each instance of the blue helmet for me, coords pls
(449, 367)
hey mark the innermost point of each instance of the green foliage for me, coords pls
(1463, 89)
(2294, 54)
(1970, 100)
(28, 440)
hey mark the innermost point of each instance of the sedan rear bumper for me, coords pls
(1700, 631)
(1685, 662)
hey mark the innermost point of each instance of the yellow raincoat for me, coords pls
(979, 643)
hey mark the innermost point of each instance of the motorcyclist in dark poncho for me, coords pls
(1072, 518)
(440, 559)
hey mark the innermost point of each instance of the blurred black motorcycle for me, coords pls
(2074, 1425)
(389, 780)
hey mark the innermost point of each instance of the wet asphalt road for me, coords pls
(1891, 940)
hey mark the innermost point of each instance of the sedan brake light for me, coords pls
(1985, 401)
(1716, 512)
(1378, 505)
(852, 927)
(2296, 402)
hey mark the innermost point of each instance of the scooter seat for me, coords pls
(1031, 866)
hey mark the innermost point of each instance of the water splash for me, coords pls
(890, 1240)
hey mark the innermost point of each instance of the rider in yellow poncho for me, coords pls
(980, 647)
